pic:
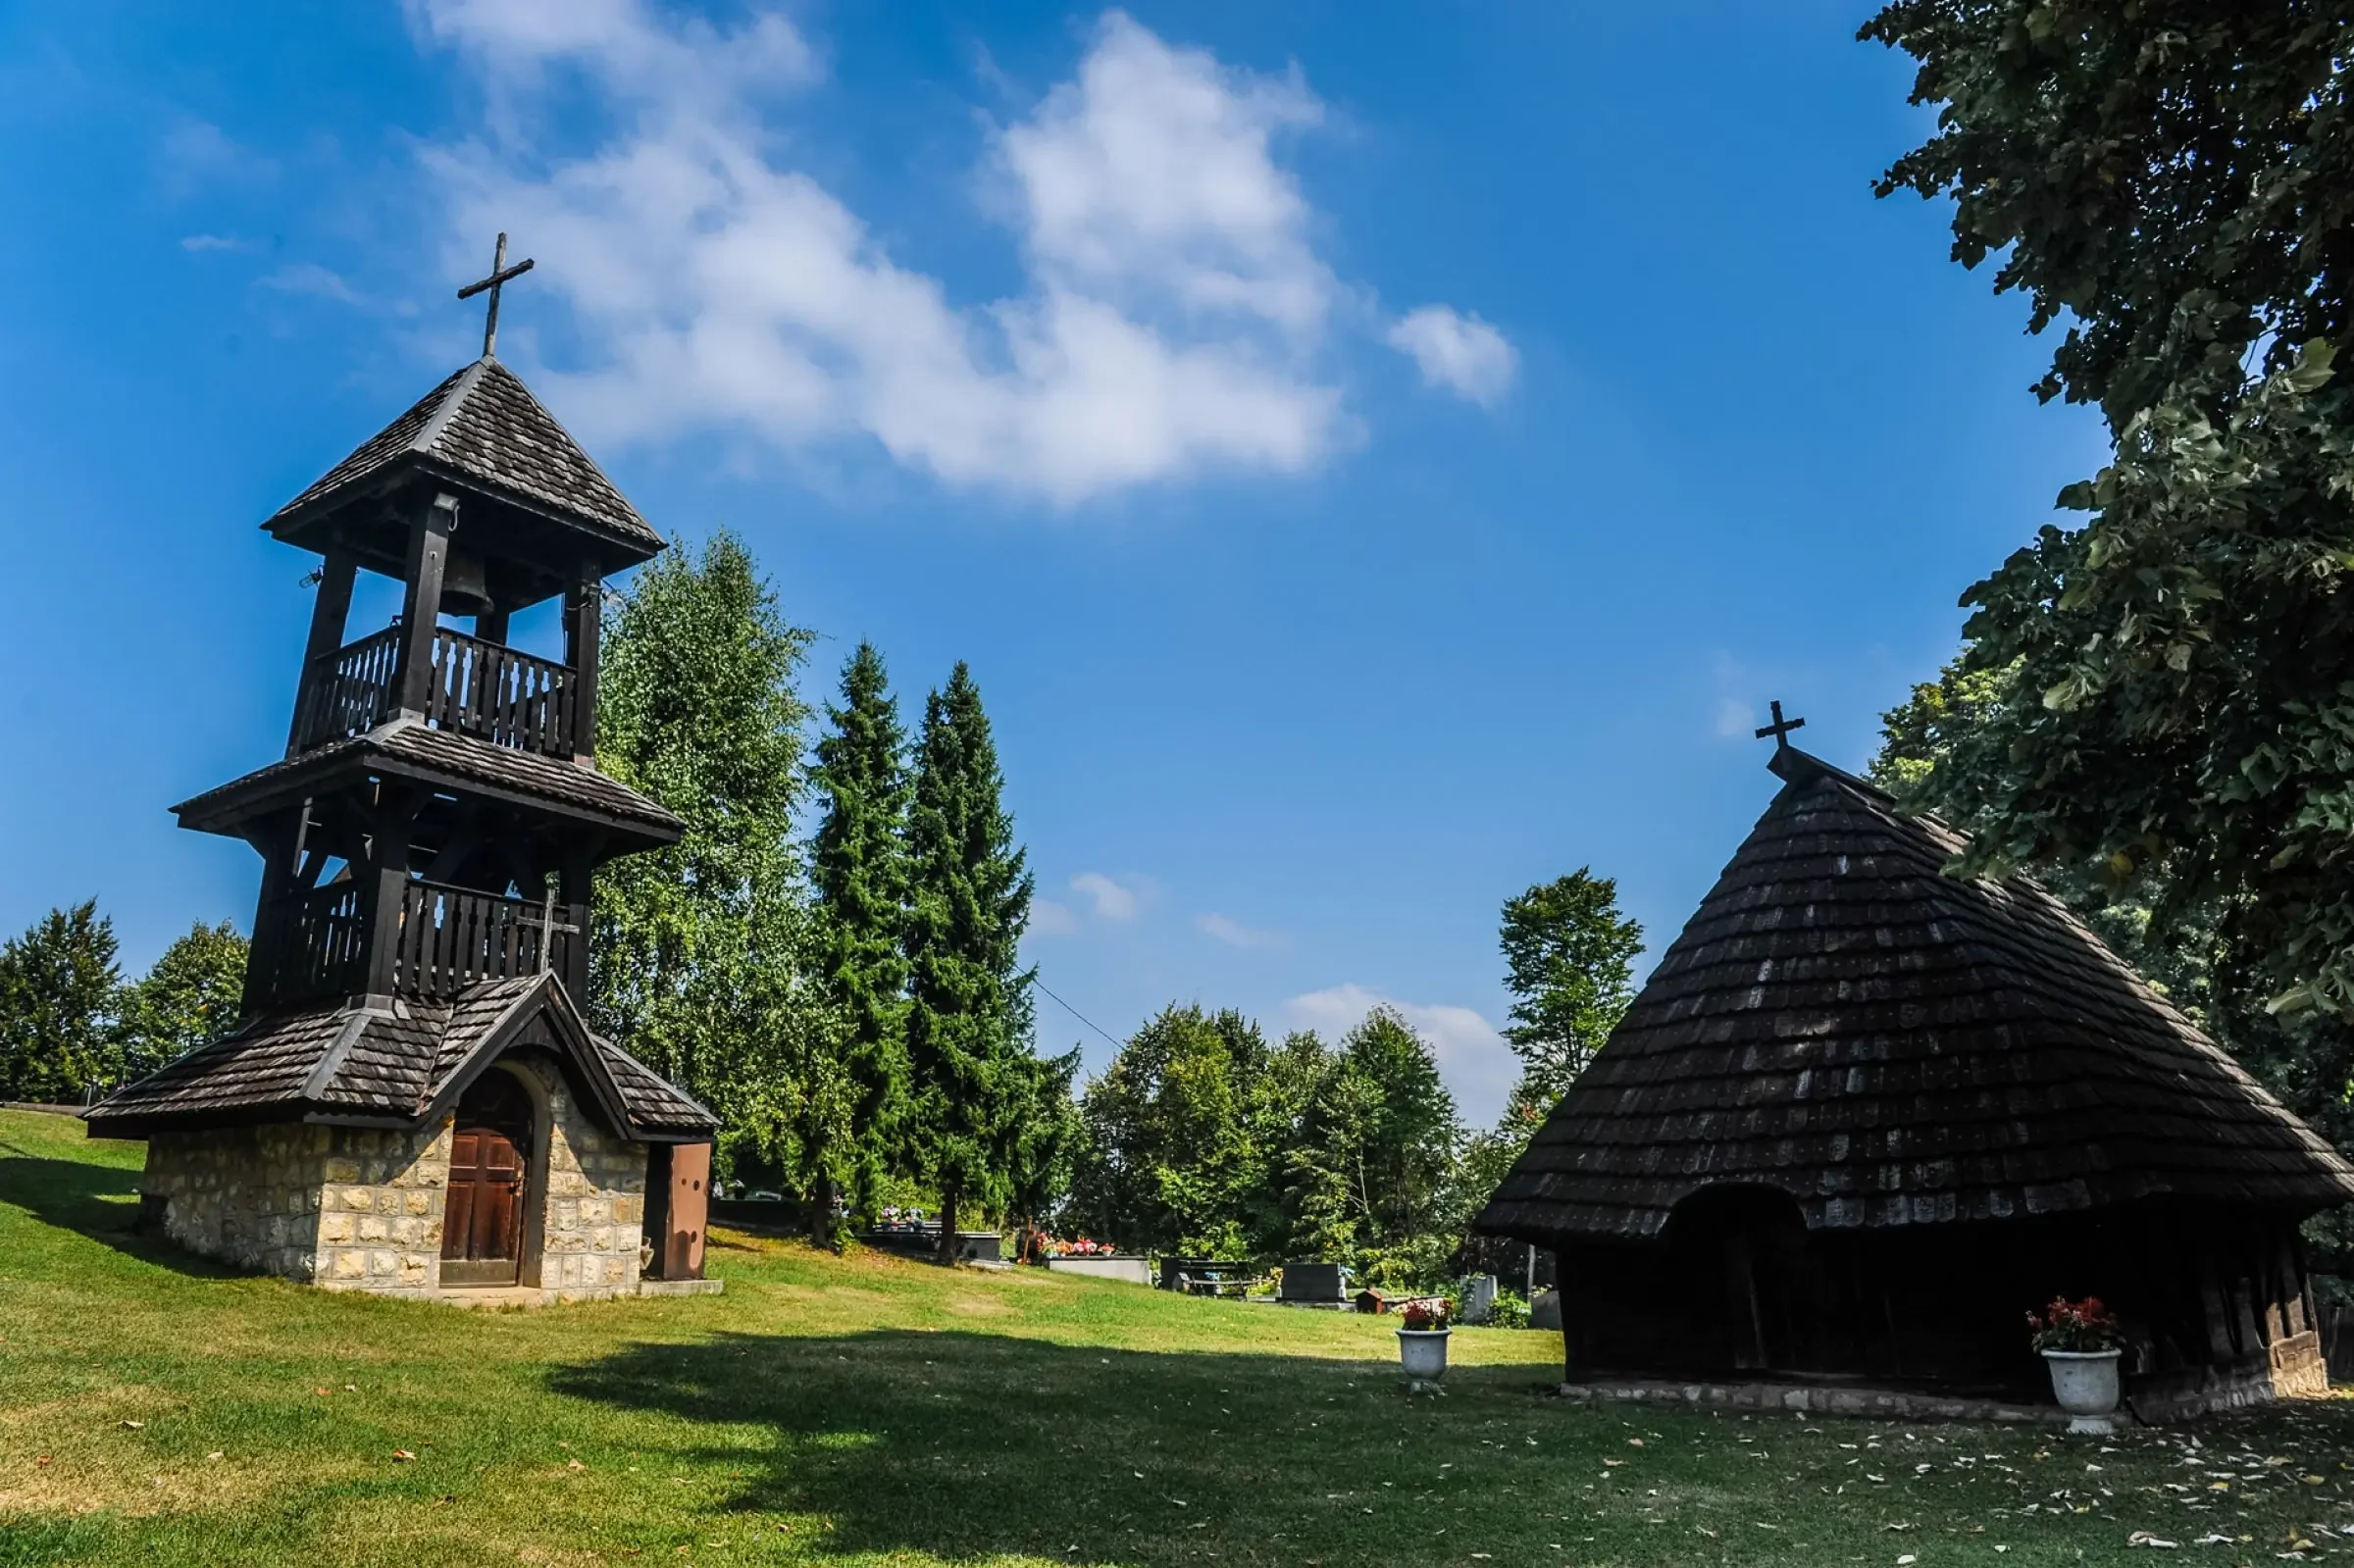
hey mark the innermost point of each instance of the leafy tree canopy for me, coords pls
(2172, 694)
(1569, 959)
(700, 945)
(58, 984)
(190, 998)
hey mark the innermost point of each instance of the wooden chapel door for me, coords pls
(489, 1155)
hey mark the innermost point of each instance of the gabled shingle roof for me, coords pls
(347, 1063)
(1891, 1045)
(483, 423)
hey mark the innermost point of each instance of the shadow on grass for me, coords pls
(965, 1446)
(89, 1201)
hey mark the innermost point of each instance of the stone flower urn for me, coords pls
(2085, 1383)
(1423, 1354)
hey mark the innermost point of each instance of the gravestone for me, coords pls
(1479, 1299)
(1313, 1284)
(1545, 1312)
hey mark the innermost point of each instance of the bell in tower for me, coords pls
(414, 1002)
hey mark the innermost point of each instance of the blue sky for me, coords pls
(1374, 458)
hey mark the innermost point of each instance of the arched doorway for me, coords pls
(489, 1161)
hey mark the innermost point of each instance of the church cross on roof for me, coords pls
(500, 276)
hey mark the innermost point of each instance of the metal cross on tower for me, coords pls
(500, 275)
(1780, 728)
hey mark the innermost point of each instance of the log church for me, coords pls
(1865, 1115)
(414, 1102)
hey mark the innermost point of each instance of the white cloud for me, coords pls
(1050, 919)
(196, 243)
(1478, 1067)
(1234, 933)
(308, 278)
(1112, 899)
(1174, 313)
(196, 155)
(1460, 353)
(1735, 719)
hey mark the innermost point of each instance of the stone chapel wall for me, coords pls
(380, 1202)
(345, 1207)
(247, 1196)
(595, 1208)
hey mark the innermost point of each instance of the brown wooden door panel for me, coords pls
(482, 1227)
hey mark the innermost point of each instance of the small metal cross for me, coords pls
(500, 275)
(1780, 728)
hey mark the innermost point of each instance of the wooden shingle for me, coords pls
(1891, 1045)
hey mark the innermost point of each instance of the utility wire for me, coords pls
(1075, 1013)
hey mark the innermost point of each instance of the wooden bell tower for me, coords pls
(439, 816)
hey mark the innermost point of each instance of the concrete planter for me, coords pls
(2085, 1383)
(1423, 1354)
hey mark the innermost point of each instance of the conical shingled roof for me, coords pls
(1891, 1045)
(483, 423)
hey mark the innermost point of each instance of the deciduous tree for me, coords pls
(701, 945)
(188, 999)
(57, 990)
(1569, 959)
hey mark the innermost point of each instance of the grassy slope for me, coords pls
(869, 1410)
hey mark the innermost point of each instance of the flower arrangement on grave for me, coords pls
(1426, 1316)
(2076, 1327)
(1083, 1248)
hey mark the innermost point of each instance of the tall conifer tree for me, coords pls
(858, 865)
(968, 1012)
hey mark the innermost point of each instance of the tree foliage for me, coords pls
(1171, 1163)
(1201, 1138)
(58, 993)
(858, 865)
(190, 998)
(1569, 963)
(969, 1007)
(2163, 707)
(701, 946)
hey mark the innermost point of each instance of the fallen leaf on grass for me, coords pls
(402, 1453)
(134, 1425)
(43, 1461)
(214, 1454)
(2142, 1538)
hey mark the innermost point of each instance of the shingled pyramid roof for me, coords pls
(483, 425)
(1891, 1045)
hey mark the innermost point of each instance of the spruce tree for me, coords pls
(859, 869)
(968, 1003)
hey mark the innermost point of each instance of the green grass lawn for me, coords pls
(153, 1410)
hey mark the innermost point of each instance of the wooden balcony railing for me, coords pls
(350, 691)
(450, 938)
(311, 944)
(314, 944)
(480, 688)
